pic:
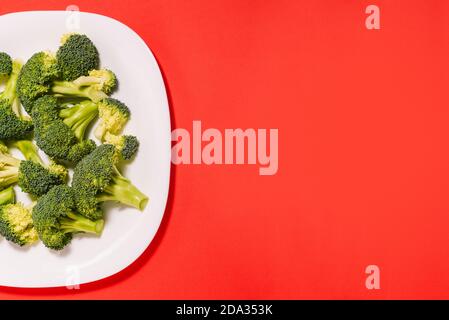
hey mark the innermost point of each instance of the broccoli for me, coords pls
(28, 149)
(7, 196)
(59, 132)
(96, 86)
(16, 224)
(30, 152)
(3, 147)
(113, 116)
(96, 179)
(126, 145)
(9, 173)
(32, 177)
(13, 125)
(5, 65)
(80, 150)
(36, 77)
(41, 76)
(79, 116)
(76, 56)
(56, 220)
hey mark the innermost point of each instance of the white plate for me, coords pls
(127, 232)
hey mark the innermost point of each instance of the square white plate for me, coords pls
(128, 232)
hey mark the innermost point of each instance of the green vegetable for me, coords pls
(36, 77)
(7, 196)
(28, 149)
(113, 115)
(126, 145)
(76, 56)
(79, 116)
(41, 76)
(16, 224)
(5, 65)
(56, 220)
(31, 176)
(60, 132)
(30, 152)
(96, 179)
(13, 125)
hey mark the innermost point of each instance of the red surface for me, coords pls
(363, 150)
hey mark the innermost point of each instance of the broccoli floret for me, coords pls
(76, 56)
(58, 142)
(16, 224)
(80, 150)
(36, 179)
(7, 196)
(36, 77)
(56, 220)
(54, 136)
(32, 177)
(96, 179)
(126, 145)
(5, 65)
(30, 152)
(59, 170)
(113, 116)
(55, 139)
(13, 125)
(40, 76)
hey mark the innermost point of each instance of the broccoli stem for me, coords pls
(15, 107)
(9, 170)
(7, 196)
(8, 176)
(77, 223)
(79, 117)
(7, 161)
(29, 151)
(122, 190)
(66, 88)
(100, 131)
(9, 92)
(84, 81)
(81, 127)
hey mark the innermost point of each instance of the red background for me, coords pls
(363, 150)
